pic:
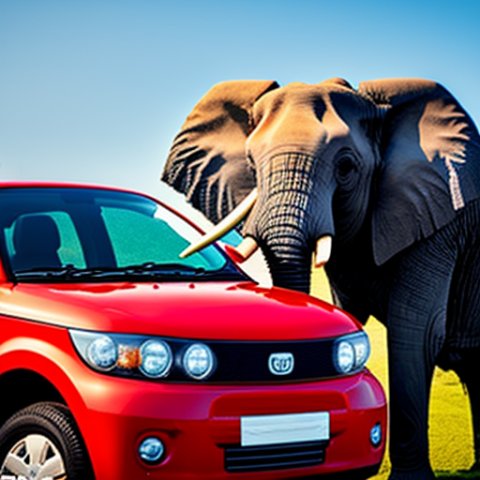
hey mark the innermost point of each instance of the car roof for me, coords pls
(52, 184)
(92, 186)
(45, 184)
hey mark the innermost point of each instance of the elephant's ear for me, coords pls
(207, 161)
(430, 162)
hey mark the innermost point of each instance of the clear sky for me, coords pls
(95, 90)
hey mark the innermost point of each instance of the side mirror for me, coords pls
(234, 254)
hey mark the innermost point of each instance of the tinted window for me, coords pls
(94, 228)
(70, 250)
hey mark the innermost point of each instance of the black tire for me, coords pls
(52, 424)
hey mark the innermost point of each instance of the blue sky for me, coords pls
(96, 90)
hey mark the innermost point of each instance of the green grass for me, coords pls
(450, 432)
(457, 475)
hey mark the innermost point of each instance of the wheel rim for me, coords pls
(34, 457)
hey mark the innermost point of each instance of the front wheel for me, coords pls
(42, 442)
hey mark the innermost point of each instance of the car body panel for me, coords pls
(254, 313)
(198, 421)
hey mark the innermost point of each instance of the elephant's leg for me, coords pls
(411, 365)
(465, 363)
(416, 333)
(463, 328)
(473, 387)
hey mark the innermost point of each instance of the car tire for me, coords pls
(42, 441)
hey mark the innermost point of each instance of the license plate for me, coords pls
(277, 429)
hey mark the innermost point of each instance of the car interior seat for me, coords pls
(36, 241)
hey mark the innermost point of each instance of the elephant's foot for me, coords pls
(425, 473)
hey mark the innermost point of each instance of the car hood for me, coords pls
(202, 310)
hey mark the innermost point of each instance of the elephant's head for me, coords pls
(325, 160)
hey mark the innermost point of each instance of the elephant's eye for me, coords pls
(346, 170)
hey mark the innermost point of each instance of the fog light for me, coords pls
(376, 435)
(151, 450)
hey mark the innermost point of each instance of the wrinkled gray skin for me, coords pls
(392, 172)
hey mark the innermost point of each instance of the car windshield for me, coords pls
(83, 234)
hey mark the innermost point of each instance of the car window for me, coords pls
(69, 251)
(138, 238)
(56, 232)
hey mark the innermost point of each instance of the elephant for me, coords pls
(380, 184)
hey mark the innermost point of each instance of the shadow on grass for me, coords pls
(465, 474)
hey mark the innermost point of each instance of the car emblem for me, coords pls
(281, 363)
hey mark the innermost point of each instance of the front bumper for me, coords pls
(200, 424)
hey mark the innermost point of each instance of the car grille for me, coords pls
(271, 457)
(248, 361)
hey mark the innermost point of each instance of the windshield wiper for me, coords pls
(149, 270)
(179, 271)
(67, 272)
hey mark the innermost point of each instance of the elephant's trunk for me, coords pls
(292, 272)
(285, 219)
(284, 244)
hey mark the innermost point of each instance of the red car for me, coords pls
(119, 360)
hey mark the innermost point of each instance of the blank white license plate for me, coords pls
(275, 429)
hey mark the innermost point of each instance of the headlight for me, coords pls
(198, 361)
(351, 352)
(102, 353)
(142, 356)
(155, 358)
(345, 356)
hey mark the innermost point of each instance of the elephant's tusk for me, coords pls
(232, 219)
(323, 250)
